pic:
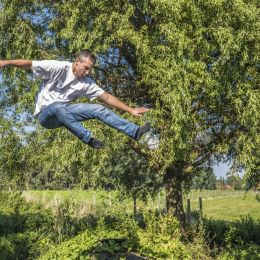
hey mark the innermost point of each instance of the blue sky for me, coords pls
(221, 169)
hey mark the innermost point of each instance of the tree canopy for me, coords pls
(194, 63)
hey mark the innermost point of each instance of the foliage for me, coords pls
(116, 235)
(195, 63)
(129, 172)
(163, 239)
(83, 245)
(242, 252)
(235, 181)
(28, 231)
(204, 179)
(237, 233)
(25, 230)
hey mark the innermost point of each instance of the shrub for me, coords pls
(6, 248)
(241, 232)
(248, 252)
(216, 230)
(89, 243)
(23, 226)
(118, 234)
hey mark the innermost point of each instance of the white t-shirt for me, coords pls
(59, 84)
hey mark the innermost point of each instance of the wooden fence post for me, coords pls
(188, 211)
(200, 207)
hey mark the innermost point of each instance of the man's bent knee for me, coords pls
(97, 107)
(61, 113)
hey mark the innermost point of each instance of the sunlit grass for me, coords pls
(219, 205)
(230, 208)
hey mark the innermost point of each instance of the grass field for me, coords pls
(219, 205)
(230, 208)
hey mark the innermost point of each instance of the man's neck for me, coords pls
(74, 69)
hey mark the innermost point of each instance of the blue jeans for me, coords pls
(70, 115)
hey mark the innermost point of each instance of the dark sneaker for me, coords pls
(141, 130)
(95, 143)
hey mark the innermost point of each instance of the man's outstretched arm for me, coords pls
(26, 64)
(115, 102)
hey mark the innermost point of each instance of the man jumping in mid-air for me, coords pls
(63, 82)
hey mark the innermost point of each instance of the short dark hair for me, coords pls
(86, 53)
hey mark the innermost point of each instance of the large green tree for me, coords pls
(194, 63)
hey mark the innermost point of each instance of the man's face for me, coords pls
(82, 67)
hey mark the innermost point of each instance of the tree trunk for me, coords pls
(173, 188)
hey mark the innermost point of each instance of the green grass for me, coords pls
(230, 208)
(81, 202)
(62, 195)
(195, 194)
(219, 205)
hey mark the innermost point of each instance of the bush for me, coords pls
(161, 238)
(6, 248)
(23, 226)
(247, 230)
(216, 230)
(118, 234)
(114, 234)
(28, 231)
(89, 243)
(238, 233)
(248, 252)
(15, 246)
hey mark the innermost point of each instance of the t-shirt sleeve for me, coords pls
(93, 90)
(45, 69)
